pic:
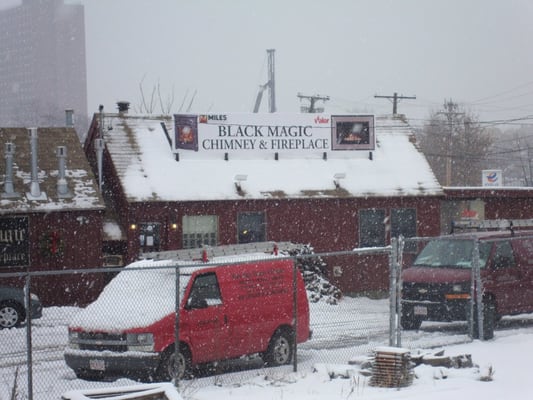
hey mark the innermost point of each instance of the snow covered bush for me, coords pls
(314, 273)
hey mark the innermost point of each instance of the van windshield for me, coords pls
(453, 253)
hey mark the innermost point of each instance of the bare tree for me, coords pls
(154, 101)
(513, 150)
(147, 105)
(456, 146)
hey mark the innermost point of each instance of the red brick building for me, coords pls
(50, 214)
(166, 194)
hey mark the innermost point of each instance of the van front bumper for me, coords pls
(446, 311)
(105, 363)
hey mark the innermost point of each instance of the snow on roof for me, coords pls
(147, 168)
(82, 188)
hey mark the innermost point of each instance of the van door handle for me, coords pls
(225, 319)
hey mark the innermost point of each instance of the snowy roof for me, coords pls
(148, 171)
(81, 189)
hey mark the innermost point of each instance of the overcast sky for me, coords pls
(476, 52)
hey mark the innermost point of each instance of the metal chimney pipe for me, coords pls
(9, 190)
(35, 190)
(62, 188)
(99, 146)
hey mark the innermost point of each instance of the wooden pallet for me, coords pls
(391, 367)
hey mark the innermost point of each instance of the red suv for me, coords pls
(437, 287)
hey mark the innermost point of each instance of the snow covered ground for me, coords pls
(329, 364)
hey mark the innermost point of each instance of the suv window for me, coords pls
(503, 255)
(452, 253)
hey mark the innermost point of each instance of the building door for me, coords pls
(150, 236)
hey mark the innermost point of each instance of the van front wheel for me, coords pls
(280, 349)
(172, 366)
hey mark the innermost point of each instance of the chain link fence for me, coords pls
(344, 326)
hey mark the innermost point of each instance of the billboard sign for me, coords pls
(262, 135)
(491, 177)
(14, 249)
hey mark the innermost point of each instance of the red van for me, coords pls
(226, 311)
(437, 287)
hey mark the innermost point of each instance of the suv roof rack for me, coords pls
(487, 224)
(207, 252)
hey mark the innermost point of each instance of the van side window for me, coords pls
(205, 292)
(503, 255)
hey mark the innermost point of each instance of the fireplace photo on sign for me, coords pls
(350, 132)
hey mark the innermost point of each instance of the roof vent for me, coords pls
(62, 188)
(9, 191)
(123, 107)
(35, 191)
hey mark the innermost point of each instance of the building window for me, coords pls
(199, 230)
(251, 227)
(371, 228)
(403, 222)
(150, 236)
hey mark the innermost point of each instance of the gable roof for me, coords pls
(146, 166)
(82, 188)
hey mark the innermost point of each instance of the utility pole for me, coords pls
(395, 99)
(450, 110)
(312, 102)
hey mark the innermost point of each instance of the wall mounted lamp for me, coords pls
(239, 178)
(336, 179)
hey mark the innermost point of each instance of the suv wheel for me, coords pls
(489, 320)
(409, 322)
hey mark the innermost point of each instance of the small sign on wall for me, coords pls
(14, 242)
(491, 177)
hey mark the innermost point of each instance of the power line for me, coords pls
(395, 99)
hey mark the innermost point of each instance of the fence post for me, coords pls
(295, 313)
(177, 327)
(29, 360)
(479, 291)
(392, 291)
(399, 261)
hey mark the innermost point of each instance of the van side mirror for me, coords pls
(196, 302)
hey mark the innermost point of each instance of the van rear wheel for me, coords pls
(280, 349)
(172, 367)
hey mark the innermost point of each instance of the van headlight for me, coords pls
(140, 342)
(73, 337)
